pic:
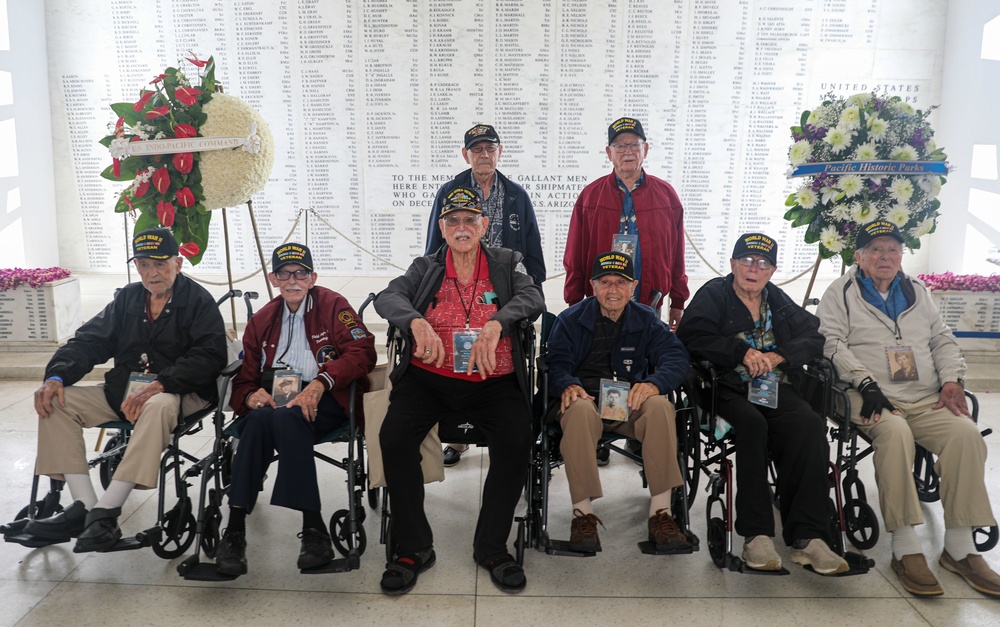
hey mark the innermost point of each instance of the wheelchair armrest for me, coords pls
(232, 369)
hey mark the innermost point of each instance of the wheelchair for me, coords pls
(464, 433)
(174, 530)
(546, 458)
(346, 525)
(717, 441)
(862, 526)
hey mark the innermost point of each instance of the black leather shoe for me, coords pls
(231, 555)
(451, 456)
(60, 527)
(317, 549)
(101, 532)
(603, 456)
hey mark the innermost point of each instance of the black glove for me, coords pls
(873, 400)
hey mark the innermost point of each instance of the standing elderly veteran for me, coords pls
(457, 310)
(166, 327)
(512, 222)
(876, 310)
(610, 338)
(756, 336)
(633, 212)
(313, 332)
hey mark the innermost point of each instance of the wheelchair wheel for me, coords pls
(927, 480)
(177, 533)
(717, 541)
(985, 538)
(862, 524)
(340, 536)
(212, 533)
(108, 466)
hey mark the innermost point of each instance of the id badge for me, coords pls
(902, 363)
(286, 386)
(137, 381)
(763, 390)
(614, 400)
(625, 243)
(461, 348)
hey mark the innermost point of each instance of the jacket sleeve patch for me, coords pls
(358, 333)
(347, 318)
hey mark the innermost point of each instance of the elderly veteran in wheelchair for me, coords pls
(757, 339)
(457, 309)
(869, 315)
(168, 342)
(598, 348)
(309, 334)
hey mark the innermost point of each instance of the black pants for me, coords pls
(498, 410)
(283, 430)
(795, 438)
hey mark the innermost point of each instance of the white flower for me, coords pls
(905, 152)
(800, 152)
(865, 152)
(850, 119)
(862, 213)
(815, 117)
(931, 185)
(860, 99)
(877, 128)
(901, 188)
(230, 177)
(901, 108)
(851, 185)
(839, 139)
(830, 239)
(923, 227)
(841, 212)
(119, 148)
(806, 197)
(898, 215)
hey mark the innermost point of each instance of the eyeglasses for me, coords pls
(622, 147)
(763, 264)
(283, 275)
(454, 221)
(479, 148)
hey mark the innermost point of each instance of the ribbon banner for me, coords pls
(870, 168)
(121, 149)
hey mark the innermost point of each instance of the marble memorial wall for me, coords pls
(368, 100)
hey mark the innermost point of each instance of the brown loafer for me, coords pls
(583, 532)
(664, 532)
(976, 572)
(916, 576)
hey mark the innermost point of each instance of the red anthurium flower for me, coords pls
(157, 79)
(185, 198)
(197, 63)
(117, 167)
(119, 125)
(141, 189)
(161, 181)
(140, 104)
(183, 161)
(158, 112)
(128, 201)
(165, 212)
(187, 95)
(185, 130)
(189, 250)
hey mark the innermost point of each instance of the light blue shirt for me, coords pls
(293, 346)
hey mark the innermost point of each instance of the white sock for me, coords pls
(906, 542)
(584, 506)
(958, 542)
(115, 495)
(658, 502)
(81, 489)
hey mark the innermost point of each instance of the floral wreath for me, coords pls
(173, 142)
(867, 156)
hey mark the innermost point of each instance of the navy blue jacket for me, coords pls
(644, 341)
(520, 227)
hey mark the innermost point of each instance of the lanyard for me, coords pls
(475, 283)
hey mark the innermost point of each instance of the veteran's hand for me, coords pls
(44, 395)
(572, 394)
(133, 403)
(260, 398)
(427, 346)
(308, 400)
(639, 393)
(484, 350)
(674, 318)
(953, 397)
(757, 363)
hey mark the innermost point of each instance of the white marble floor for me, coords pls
(54, 586)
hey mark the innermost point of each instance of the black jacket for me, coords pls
(715, 315)
(186, 346)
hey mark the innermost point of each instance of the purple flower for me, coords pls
(10, 278)
(961, 282)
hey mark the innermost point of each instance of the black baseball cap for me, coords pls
(460, 199)
(481, 133)
(613, 263)
(756, 244)
(292, 253)
(625, 125)
(878, 228)
(154, 244)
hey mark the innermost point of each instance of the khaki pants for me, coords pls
(61, 449)
(653, 424)
(961, 463)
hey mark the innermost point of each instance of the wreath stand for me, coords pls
(229, 262)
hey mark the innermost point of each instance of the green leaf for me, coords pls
(847, 256)
(106, 141)
(804, 118)
(123, 109)
(805, 217)
(208, 82)
(109, 173)
(121, 206)
(146, 220)
(793, 213)
(790, 201)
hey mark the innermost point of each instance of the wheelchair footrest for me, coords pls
(649, 548)
(206, 572)
(30, 541)
(737, 565)
(341, 565)
(127, 544)
(14, 528)
(561, 547)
